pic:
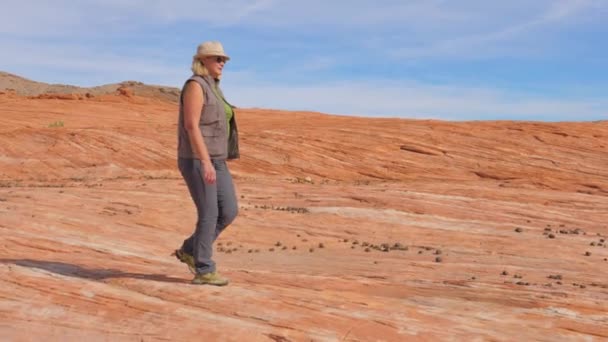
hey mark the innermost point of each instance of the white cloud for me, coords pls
(419, 16)
(414, 29)
(499, 41)
(75, 40)
(410, 99)
(376, 97)
(35, 18)
(78, 64)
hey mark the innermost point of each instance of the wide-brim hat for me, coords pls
(211, 49)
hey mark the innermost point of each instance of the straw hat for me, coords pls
(211, 49)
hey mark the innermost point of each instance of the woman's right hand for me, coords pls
(208, 172)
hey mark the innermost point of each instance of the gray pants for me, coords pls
(216, 207)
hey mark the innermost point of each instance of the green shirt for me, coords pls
(227, 109)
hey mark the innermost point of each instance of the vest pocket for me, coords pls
(212, 130)
(214, 144)
(209, 115)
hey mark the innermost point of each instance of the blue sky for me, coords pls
(442, 59)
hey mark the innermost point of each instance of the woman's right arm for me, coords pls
(193, 106)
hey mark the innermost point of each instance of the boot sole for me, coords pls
(208, 283)
(182, 258)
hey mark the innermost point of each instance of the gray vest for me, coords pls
(212, 125)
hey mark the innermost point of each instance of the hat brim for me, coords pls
(213, 55)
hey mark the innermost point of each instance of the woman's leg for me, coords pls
(226, 197)
(205, 197)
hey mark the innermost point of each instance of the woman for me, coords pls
(207, 137)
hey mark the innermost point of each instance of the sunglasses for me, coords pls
(220, 59)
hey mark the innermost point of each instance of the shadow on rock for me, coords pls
(71, 270)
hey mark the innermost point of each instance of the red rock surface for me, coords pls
(91, 206)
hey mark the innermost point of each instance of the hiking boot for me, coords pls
(186, 259)
(211, 278)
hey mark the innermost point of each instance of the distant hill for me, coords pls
(24, 86)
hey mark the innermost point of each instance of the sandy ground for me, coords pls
(350, 229)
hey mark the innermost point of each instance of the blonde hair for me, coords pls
(198, 68)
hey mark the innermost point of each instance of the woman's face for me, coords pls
(214, 64)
